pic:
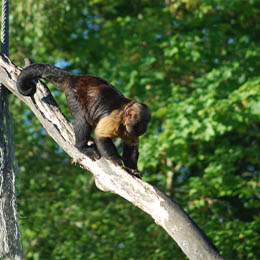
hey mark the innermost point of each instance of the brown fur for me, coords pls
(93, 102)
(115, 125)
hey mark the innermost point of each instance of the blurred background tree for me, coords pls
(196, 63)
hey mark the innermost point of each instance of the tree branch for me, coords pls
(109, 177)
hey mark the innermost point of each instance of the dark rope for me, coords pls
(5, 28)
(4, 36)
(9, 231)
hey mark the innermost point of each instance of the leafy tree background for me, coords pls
(196, 63)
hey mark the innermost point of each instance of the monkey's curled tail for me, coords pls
(49, 72)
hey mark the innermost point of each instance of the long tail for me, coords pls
(49, 72)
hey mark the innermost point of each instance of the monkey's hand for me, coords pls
(134, 172)
(117, 160)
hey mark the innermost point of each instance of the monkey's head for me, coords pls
(136, 118)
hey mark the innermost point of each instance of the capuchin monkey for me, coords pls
(93, 102)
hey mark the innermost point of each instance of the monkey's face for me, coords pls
(138, 129)
(137, 119)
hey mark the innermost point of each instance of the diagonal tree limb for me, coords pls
(109, 177)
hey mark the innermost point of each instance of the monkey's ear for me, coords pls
(129, 112)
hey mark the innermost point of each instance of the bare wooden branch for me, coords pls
(109, 177)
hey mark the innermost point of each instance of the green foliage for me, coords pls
(196, 63)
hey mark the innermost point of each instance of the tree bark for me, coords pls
(108, 177)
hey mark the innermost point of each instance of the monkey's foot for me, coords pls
(91, 152)
(75, 161)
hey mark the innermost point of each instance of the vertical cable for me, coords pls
(5, 28)
(4, 37)
(9, 230)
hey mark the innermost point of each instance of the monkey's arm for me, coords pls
(82, 135)
(104, 132)
(130, 156)
(108, 150)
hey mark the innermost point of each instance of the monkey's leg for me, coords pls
(82, 135)
(107, 149)
(82, 128)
